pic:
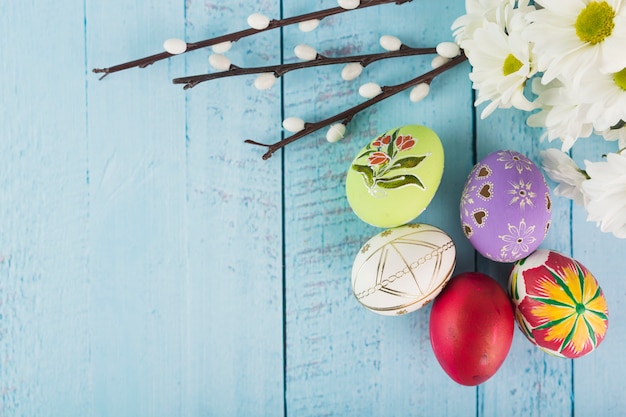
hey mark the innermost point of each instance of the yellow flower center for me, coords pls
(595, 22)
(580, 309)
(511, 65)
(620, 79)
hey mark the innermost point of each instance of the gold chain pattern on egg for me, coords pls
(400, 274)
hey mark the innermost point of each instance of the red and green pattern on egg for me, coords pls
(559, 305)
(505, 206)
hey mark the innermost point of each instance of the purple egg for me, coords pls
(505, 206)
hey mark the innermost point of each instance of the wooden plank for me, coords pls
(235, 331)
(137, 227)
(529, 382)
(599, 375)
(341, 358)
(44, 284)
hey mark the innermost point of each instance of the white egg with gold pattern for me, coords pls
(402, 269)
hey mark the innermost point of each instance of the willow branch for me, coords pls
(235, 36)
(320, 60)
(347, 115)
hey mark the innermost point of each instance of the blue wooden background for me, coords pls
(151, 264)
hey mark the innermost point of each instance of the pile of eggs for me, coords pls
(505, 212)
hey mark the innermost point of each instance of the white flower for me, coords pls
(562, 169)
(501, 65)
(479, 12)
(572, 36)
(607, 94)
(518, 240)
(615, 134)
(606, 193)
(563, 116)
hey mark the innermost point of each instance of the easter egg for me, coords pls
(505, 206)
(394, 177)
(559, 305)
(402, 269)
(471, 328)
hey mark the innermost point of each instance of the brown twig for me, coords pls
(235, 36)
(320, 60)
(347, 115)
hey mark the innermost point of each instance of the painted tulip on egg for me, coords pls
(394, 177)
(559, 305)
(471, 328)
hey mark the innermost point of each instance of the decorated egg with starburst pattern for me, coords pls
(505, 206)
(559, 305)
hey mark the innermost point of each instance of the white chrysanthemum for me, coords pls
(615, 134)
(562, 114)
(562, 169)
(607, 94)
(479, 12)
(501, 65)
(606, 194)
(573, 36)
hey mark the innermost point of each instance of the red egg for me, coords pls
(471, 328)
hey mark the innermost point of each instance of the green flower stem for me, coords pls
(347, 115)
(235, 36)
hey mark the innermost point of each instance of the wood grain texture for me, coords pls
(341, 358)
(529, 382)
(600, 376)
(152, 264)
(137, 215)
(44, 280)
(235, 229)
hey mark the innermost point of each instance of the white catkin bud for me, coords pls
(175, 46)
(305, 52)
(219, 62)
(258, 21)
(222, 47)
(390, 43)
(439, 61)
(265, 81)
(293, 124)
(370, 90)
(419, 92)
(351, 71)
(349, 4)
(448, 49)
(336, 132)
(308, 25)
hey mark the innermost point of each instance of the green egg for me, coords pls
(394, 178)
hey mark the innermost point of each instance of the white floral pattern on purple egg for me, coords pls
(505, 206)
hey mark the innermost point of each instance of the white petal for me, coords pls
(219, 62)
(308, 25)
(448, 49)
(293, 124)
(336, 132)
(349, 4)
(351, 71)
(222, 47)
(390, 43)
(419, 92)
(305, 52)
(175, 46)
(370, 90)
(265, 81)
(258, 21)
